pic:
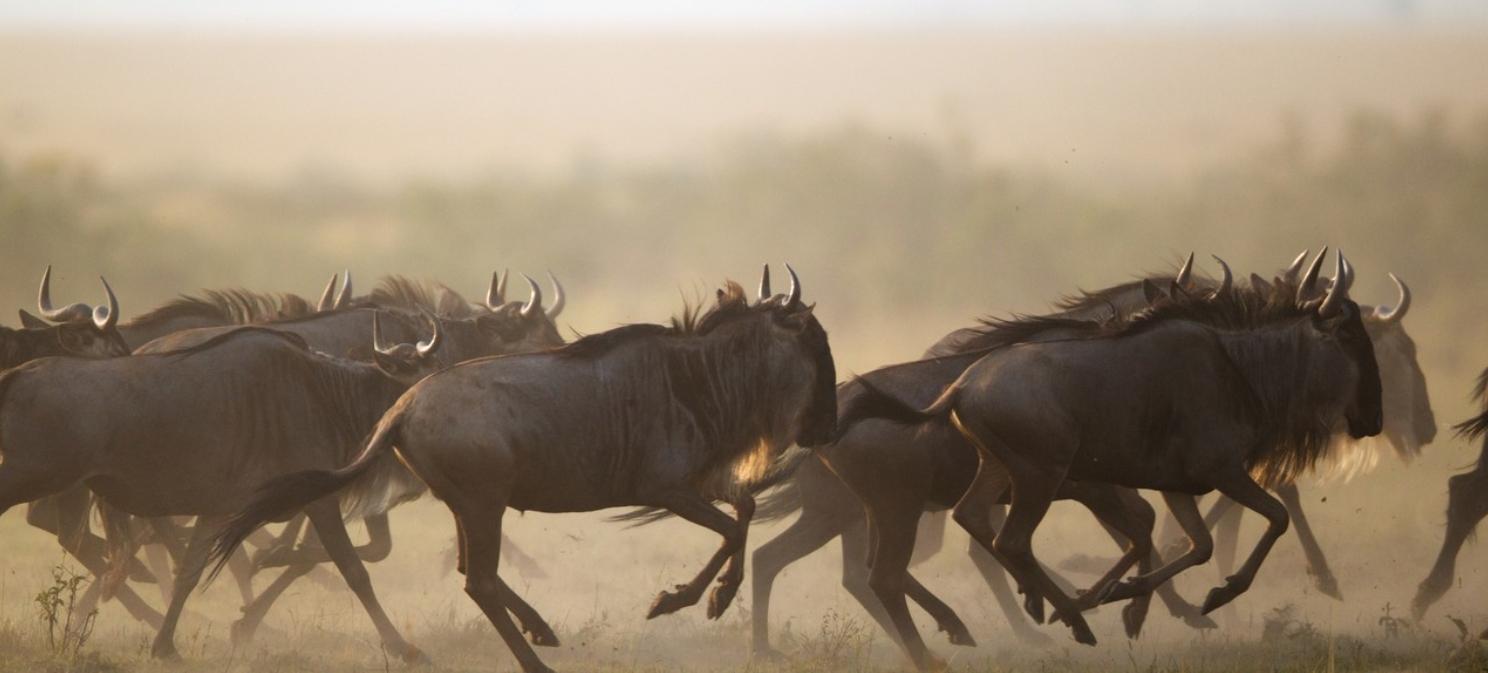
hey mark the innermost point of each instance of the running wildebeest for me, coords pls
(225, 414)
(1467, 504)
(1187, 397)
(501, 328)
(1410, 424)
(642, 415)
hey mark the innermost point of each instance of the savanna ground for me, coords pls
(916, 181)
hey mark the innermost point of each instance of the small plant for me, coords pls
(56, 605)
(1391, 624)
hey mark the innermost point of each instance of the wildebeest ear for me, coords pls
(1259, 284)
(29, 321)
(1151, 291)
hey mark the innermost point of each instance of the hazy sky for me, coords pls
(563, 15)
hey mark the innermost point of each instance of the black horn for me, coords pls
(1337, 290)
(764, 284)
(1185, 272)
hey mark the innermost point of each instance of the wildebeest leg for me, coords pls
(893, 534)
(325, 516)
(379, 546)
(930, 536)
(694, 508)
(990, 567)
(158, 558)
(1239, 486)
(808, 533)
(273, 551)
(532, 623)
(1033, 492)
(66, 515)
(733, 572)
(480, 529)
(1129, 520)
(945, 618)
(1201, 547)
(1317, 564)
(254, 611)
(1467, 504)
(996, 577)
(188, 573)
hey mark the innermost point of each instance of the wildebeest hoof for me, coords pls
(1133, 616)
(1217, 598)
(668, 602)
(543, 636)
(413, 656)
(1033, 604)
(1328, 586)
(720, 598)
(165, 652)
(241, 632)
(959, 635)
(1082, 633)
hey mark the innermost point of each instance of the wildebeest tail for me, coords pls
(1477, 426)
(285, 495)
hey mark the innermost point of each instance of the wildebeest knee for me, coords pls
(1012, 547)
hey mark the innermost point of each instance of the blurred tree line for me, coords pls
(900, 238)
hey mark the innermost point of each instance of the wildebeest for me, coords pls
(931, 467)
(223, 415)
(648, 415)
(1410, 424)
(1467, 504)
(1184, 398)
(80, 331)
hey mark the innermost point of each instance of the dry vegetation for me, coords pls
(901, 234)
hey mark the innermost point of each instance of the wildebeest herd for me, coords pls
(191, 427)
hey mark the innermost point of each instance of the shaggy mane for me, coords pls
(236, 306)
(732, 305)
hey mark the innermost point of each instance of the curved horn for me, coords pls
(1336, 292)
(69, 313)
(425, 348)
(344, 298)
(1185, 272)
(1295, 268)
(496, 294)
(1226, 281)
(105, 317)
(534, 302)
(793, 297)
(1309, 279)
(327, 296)
(1348, 273)
(1395, 314)
(559, 300)
(764, 284)
(377, 334)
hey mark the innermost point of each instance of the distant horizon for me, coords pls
(565, 16)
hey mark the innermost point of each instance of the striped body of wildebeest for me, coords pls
(1189, 396)
(66, 514)
(192, 431)
(932, 467)
(642, 415)
(1410, 424)
(1467, 504)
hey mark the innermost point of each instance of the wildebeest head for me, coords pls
(518, 327)
(1409, 420)
(796, 327)
(1339, 328)
(80, 330)
(407, 363)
